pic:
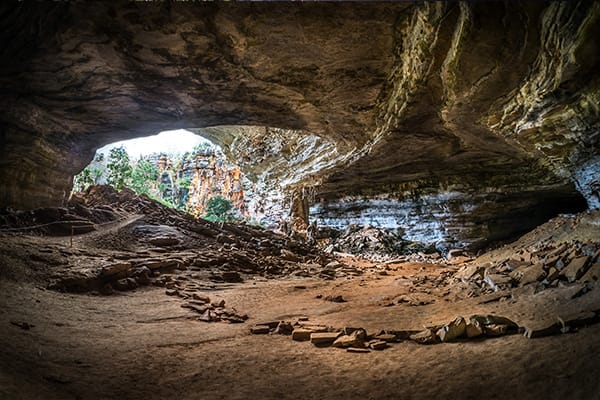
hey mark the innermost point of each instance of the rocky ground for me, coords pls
(148, 303)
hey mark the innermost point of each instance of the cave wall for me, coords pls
(369, 98)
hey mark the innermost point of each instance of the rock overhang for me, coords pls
(493, 97)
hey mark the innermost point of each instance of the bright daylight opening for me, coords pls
(177, 168)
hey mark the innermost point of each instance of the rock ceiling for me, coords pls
(394, 97)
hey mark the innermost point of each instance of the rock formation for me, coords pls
(482, 118)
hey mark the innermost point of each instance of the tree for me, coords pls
(119, 168)
(218, 209)
(143, 177)
(86, 178)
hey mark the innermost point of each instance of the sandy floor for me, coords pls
(143, 345)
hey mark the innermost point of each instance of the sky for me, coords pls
(178, 141)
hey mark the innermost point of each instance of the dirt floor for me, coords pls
(142, 344)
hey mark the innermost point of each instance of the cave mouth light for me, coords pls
(177, 168)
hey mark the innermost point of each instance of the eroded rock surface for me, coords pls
(492, 98)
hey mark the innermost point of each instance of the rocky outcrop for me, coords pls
(370, 99)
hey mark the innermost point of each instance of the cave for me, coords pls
(417, 188)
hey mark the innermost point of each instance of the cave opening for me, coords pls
(178, 168)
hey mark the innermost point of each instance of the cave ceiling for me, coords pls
(393, 95)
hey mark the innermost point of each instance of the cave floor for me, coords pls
(142, 344)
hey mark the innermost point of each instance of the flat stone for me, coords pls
(453, 330)
(578, 320)
(470, 271)
(378, 345)
(540, 330)
(270, 324)
(426, 336)
(386, 337)
(301, 334)
(355, 339)
(535, 273)
(357, 350)
(260, 330)
(323, 338)
(576, 268)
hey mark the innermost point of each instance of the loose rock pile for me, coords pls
(358, 340)
(544, 265)
(374, 243)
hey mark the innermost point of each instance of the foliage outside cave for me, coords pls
(189, 182)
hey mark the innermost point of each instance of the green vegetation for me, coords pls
(119, 168)
(219, 209)
(143, 177)
(86, 178)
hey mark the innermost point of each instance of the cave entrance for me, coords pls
(177, 168)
